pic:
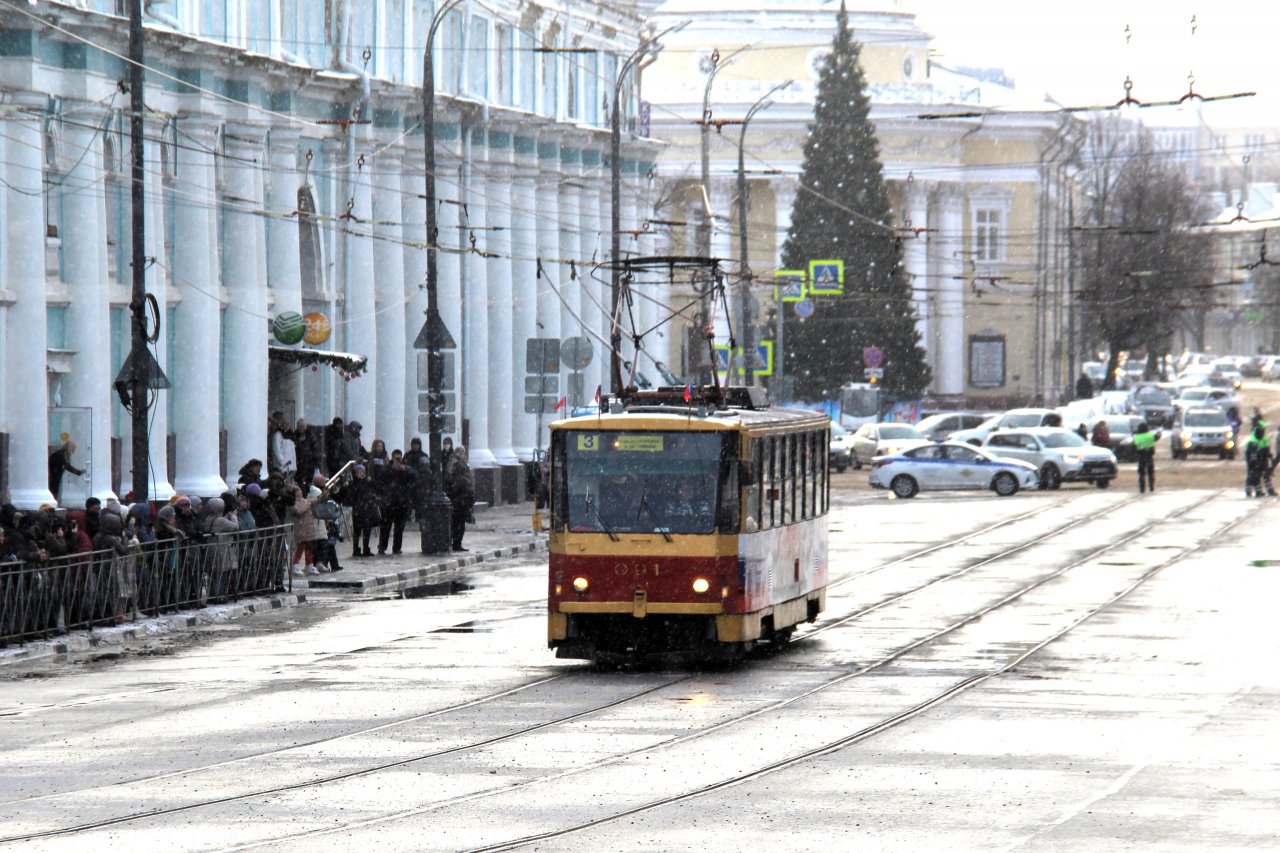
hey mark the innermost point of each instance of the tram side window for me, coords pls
(823, 442)
(802, 475)
(788, 479)
(753, 499)
(819, 465)
(773, 481)
(825, 438)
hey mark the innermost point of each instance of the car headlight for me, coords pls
(580, 584)
(1067, 457)
(1230, 444)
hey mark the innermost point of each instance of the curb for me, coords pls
(411, 577)
(117, 636)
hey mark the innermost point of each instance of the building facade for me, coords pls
(978, 197)
(284, 174)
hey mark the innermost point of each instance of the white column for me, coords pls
(449, 195)
(388, 274)
(26, 404)
(195, 372)
(84, 266)
(593, 293)
(524, 286)
(157, 284)
(245, 329)
(548, 235)
(413, 213)
(570, 289)
(949, 326)
(284, 264)
(915, 258)
(497, 239)
(475, 353)
(359, 322)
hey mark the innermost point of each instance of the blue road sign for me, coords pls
(804, 308)
(873, 356)
(826, 278)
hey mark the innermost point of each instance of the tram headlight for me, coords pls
(580, 584)
(701, 585)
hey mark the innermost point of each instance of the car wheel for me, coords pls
(840, 469)
(904, 486)
(1102, 484)
(1049, 477)
(1005, 484)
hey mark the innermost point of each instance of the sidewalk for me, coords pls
(498, 532)
(501, 531)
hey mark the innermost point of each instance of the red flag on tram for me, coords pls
(560, 404)
(688, 393)
(597, 399)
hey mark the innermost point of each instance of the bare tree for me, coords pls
(1141, 265)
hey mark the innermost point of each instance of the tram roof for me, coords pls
(693, 418)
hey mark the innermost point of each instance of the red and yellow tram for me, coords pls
(684, 524)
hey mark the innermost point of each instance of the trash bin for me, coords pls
(435, 519)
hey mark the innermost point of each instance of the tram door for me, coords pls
(74, 423)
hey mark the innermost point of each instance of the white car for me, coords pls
(1012, 419)
(1058, 454)
(950, 465)
(886, 439)
(840, 453)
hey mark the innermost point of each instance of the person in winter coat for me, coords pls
(1101, 435)
(333, 459)
(78, 539)
(352, 449)
(186, 521)
(1144, 442)
(260, 509)
(1257, 461)
(305, 528)
(361, 495)
(460, 486)
(251, 472)
(59, 464)
(397, 487)
(307, 449)
(123, 565)
(281, 453)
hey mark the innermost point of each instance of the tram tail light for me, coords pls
(701, 585)
(724, 592)
(580, 584)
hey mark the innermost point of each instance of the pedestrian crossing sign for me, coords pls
(826, 278)
(763, 361)
(789, 287)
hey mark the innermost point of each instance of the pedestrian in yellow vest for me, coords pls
(1144, 441)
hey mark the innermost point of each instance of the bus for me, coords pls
(689, 522)
(859, 404)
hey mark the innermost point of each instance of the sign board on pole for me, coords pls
(804, 308)
(789, 286)
(873, 356)
(575, 352)
(874, 372)
(536, 404)
(542, 355)
(762, 363)
(826, 278)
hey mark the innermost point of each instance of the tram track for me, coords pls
(365, 771)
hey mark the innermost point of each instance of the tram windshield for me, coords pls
(643, 482)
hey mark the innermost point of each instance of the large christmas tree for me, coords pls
(842, 213)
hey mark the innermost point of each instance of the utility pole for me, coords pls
(435, 521)
(744, 268)
(138, 384)
(643, 55)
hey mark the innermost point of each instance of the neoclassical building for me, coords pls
(978, 196)
(284, 173)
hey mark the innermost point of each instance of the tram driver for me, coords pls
(690, 511)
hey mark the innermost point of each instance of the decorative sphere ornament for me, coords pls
(318, 328)
(289, 327)
(314, 368)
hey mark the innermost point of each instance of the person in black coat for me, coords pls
(460, 486)
(307, 451)
(59, 464)
(1084, 387)
(366, 514)
(397, 485)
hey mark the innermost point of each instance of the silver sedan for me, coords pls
(950, 465)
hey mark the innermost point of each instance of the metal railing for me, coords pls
(41, 600)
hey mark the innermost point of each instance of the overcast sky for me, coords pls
(1076, 50)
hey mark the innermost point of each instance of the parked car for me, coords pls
(1251, 366)
(1012, 419)
(1226, 371)
(1202, 430)
(1058, 454)
(1271, 368)
(840, 453)
(950, 465)
(1203, 395)
(1152, 404)
(884, 439)
(938, 427)
(1120, 429)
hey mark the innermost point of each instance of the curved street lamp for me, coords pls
(744, 270)
(641, 57)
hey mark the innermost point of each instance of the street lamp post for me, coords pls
(643, 55)
(434, 516)
(744, 270)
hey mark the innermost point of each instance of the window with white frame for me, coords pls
(988, 234)
(591, 88)
(550, 78)
(477, 50)
(526, 61)
(502, 64)
(448, 47)
(573, 72)
(390, 50)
